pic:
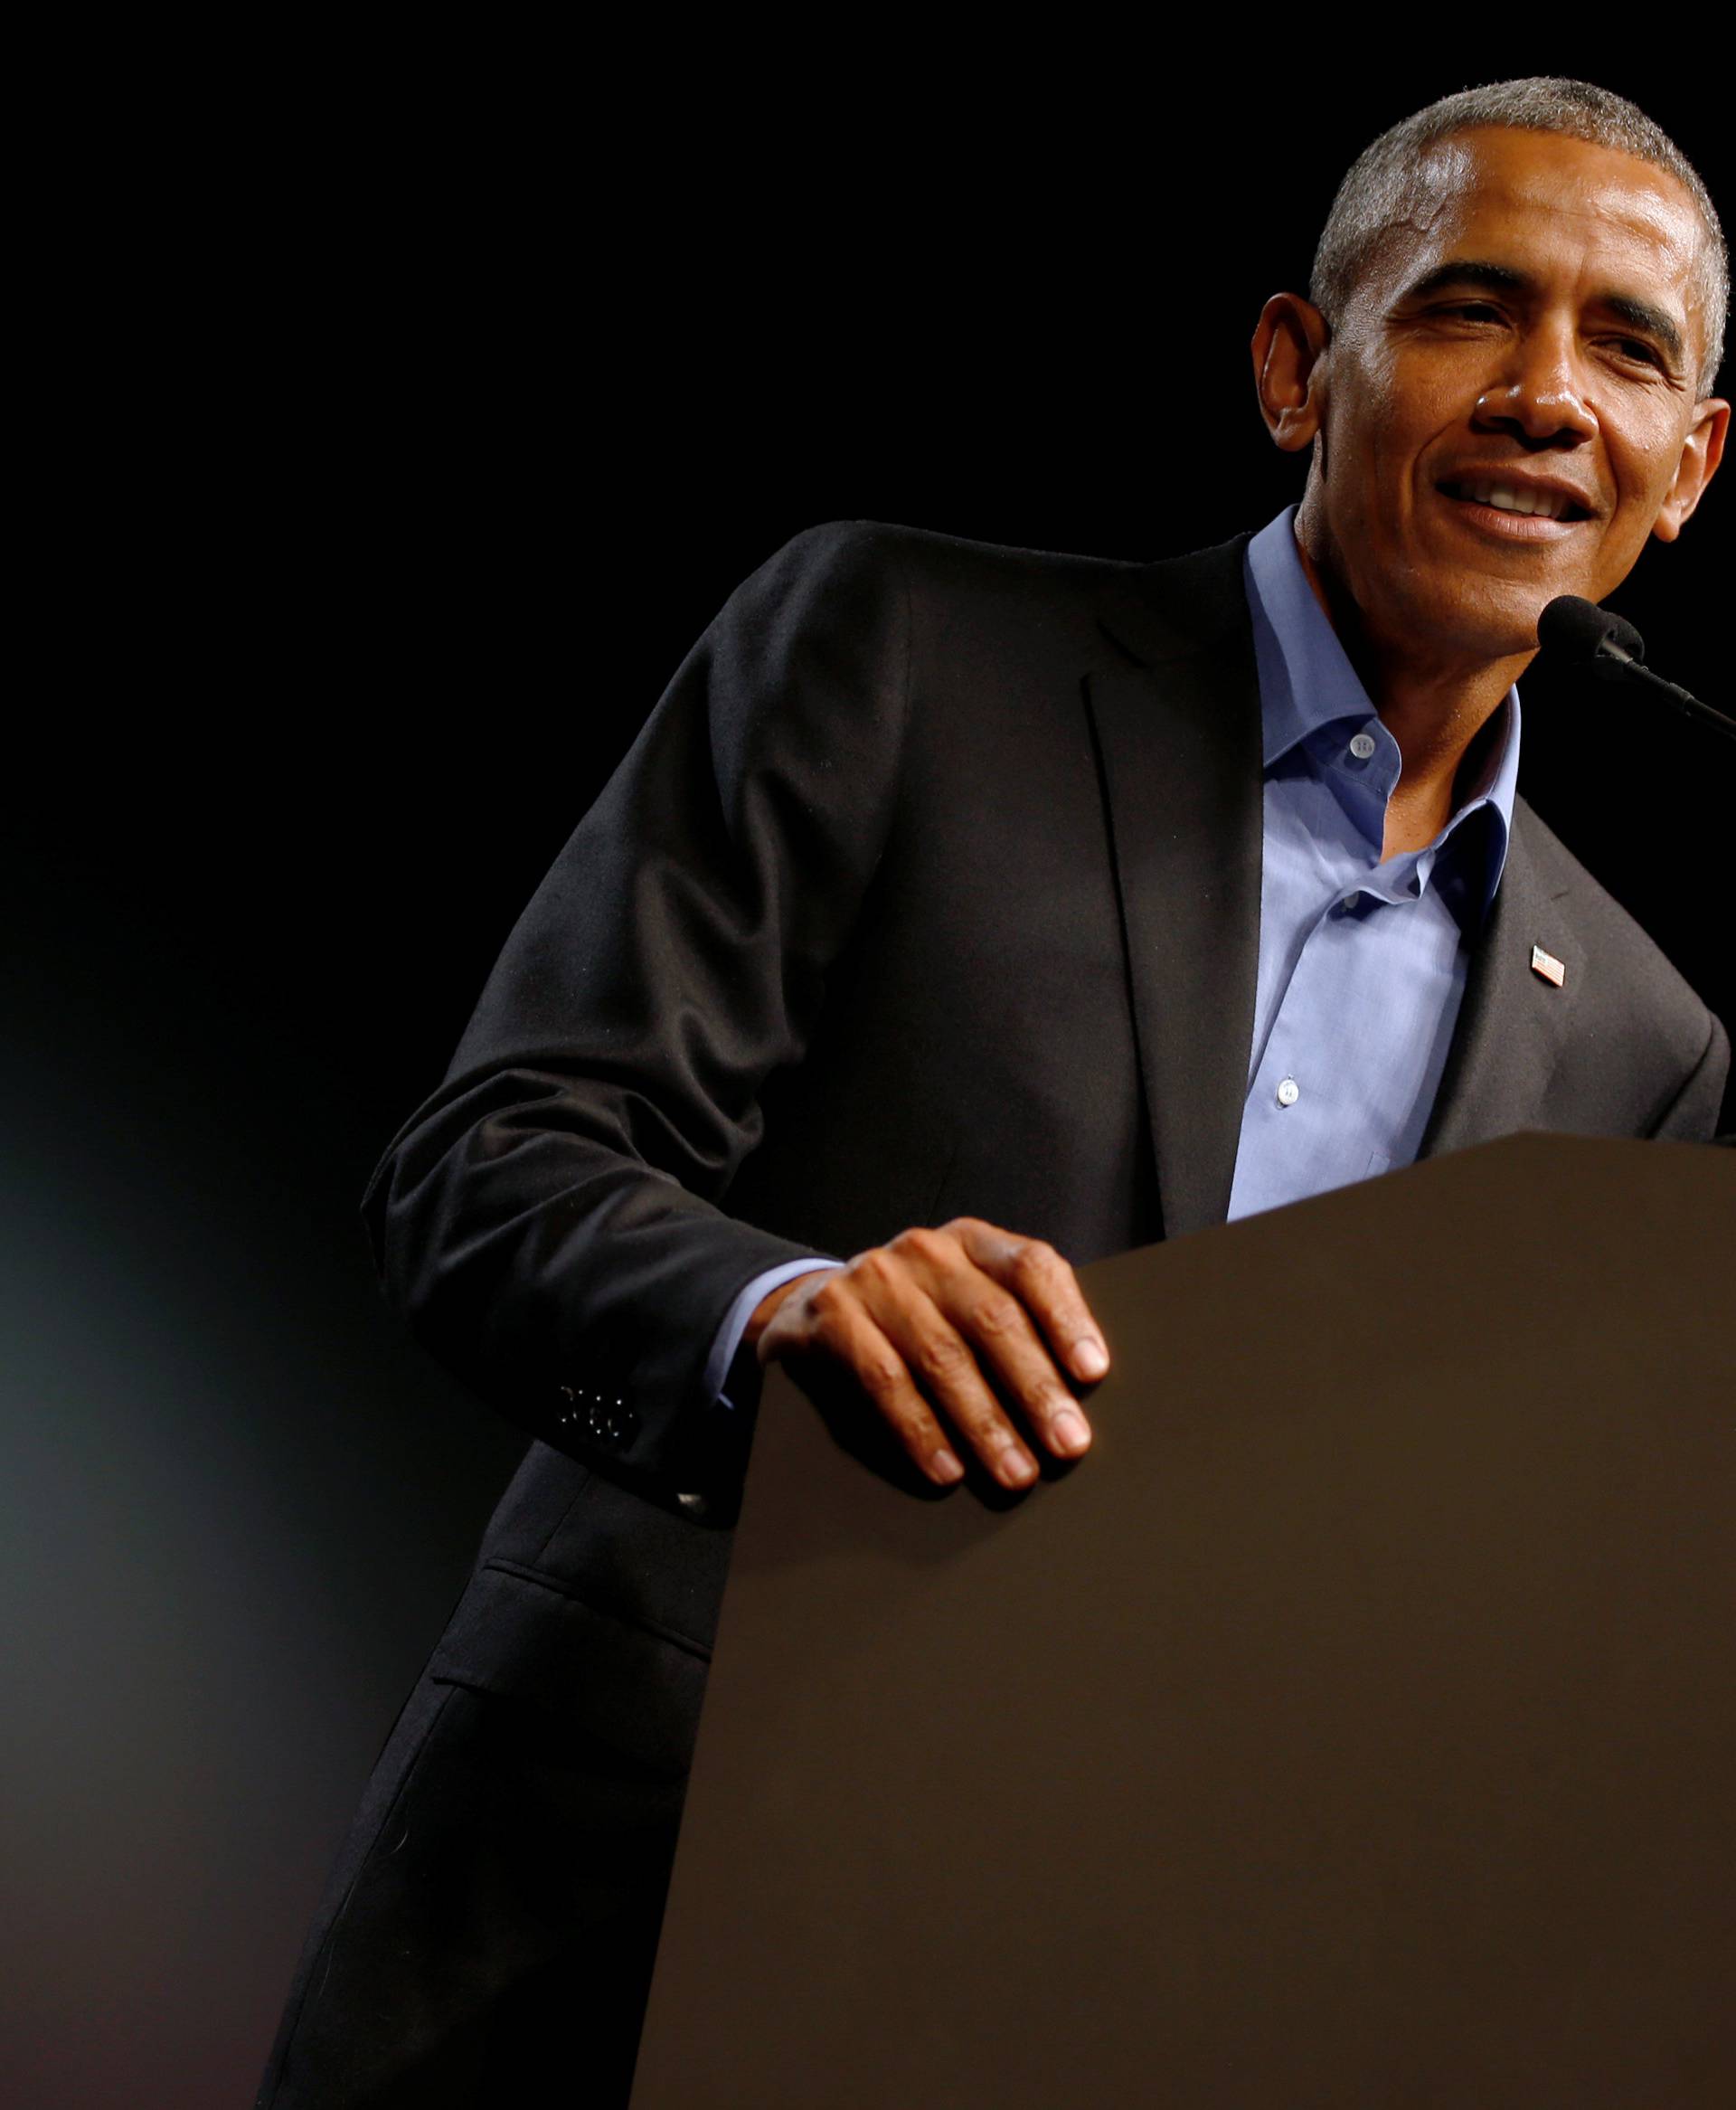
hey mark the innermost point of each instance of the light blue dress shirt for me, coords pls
(1361, 964)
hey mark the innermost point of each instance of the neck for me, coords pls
(1438, 707)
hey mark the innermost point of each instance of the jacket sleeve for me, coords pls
(1693, 1114)
(547, 1222)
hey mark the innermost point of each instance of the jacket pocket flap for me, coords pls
(530, 1638)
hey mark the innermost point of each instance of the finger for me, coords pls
(1007, 1346)
(1042, 1281)
(942, 1364)
(1000, 1330)
(839, 1326)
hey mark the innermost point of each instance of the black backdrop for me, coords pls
(452, 410)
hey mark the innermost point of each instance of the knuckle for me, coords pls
(876, 1267)
(1035, 1262)
(992, 1436)
(917, 1429)
(828, 1301)
(995, 1318)
(943, 1359)
(883, 1376)
(980, 1416)
(921, 1244)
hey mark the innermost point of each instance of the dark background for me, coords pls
(446, 407)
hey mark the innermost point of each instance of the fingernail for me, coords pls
(947, 1467)
(1017, 1467)
(1069, 1430)
(1088, 1359)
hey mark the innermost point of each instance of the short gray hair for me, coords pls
(1385, 183)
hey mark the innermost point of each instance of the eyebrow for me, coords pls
(1638, 315)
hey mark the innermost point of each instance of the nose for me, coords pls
(1537, 397)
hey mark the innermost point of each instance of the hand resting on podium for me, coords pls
(933, 1331)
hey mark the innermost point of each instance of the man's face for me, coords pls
(1509, 398)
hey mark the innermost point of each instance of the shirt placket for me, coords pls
(1295, 1100)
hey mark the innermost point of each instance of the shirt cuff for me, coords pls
(735, 1320)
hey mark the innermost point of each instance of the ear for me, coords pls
(1289, 346)
(1701, 451)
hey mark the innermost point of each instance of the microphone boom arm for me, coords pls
(1612, 663)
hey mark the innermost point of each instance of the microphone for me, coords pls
(1582, 632)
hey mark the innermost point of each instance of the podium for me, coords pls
(1353, 1724)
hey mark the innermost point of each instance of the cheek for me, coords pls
(1364, 430)
(1642, 468)
(1642, 454)
(1643, 461)
(1393, 409)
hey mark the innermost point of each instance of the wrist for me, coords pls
(761, 1315)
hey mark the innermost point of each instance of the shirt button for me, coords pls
(1363, 746)
(1288, 1092)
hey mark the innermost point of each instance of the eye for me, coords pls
(1475, 310)
(1637, 348)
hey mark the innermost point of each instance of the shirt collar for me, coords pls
(1306, 682)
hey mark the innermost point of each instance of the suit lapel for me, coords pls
(1180, 746)
(1178, 732)
(1513, 1023)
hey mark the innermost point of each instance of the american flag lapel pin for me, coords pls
(1548, 966)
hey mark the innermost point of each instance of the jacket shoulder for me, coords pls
(928, 554)
(1151, 608)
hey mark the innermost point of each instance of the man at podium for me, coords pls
(964, 913)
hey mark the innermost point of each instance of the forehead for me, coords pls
(1556, 204)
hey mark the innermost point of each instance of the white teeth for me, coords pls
(1509, 499)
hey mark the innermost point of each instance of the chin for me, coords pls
(1492, 619)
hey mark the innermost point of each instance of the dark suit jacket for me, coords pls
(930, 887)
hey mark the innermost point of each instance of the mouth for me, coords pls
(1512, 510)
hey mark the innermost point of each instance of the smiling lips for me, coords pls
(1510, 509)
(1529, 512)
